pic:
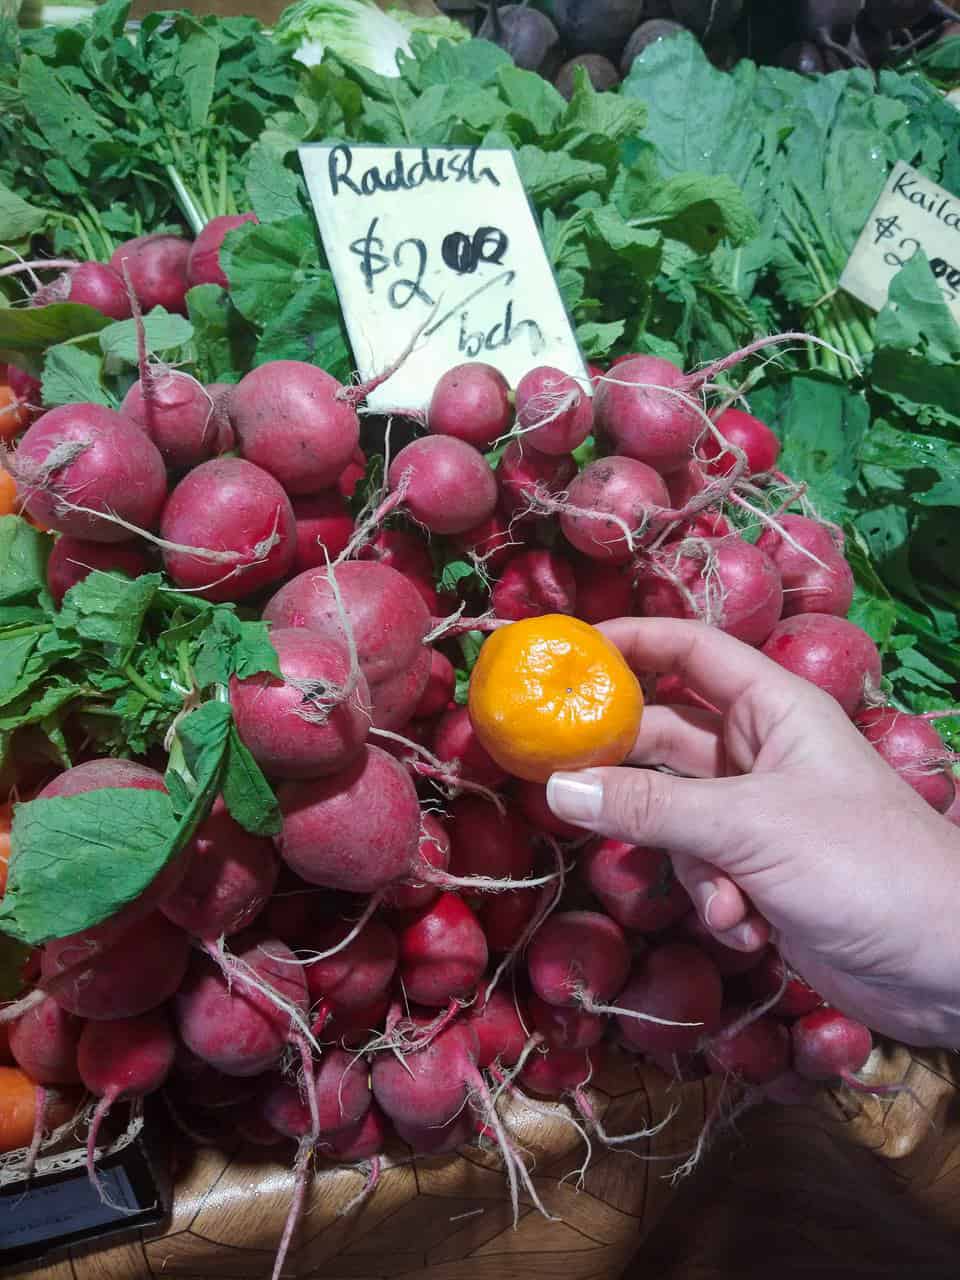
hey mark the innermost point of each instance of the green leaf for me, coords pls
(554, 177)
(230, 647)
(164, 333)
(246, 791)
(78, 859)
(224, 340)
(72, 376)
(701, 211)
(23, 561)
(454, 573)
(196, 66)
(309, 328)
(275, 191)
(533, 98)
(596, 340)
(36, 328)
(18, 219)
(109, 610)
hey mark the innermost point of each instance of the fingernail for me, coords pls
(744, 935)
(706, 895)
(576, 797)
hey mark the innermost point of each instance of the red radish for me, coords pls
(438, 1140)
(911, 747)
(748, 433)
(473, 403)
(766, 979)
(757, 1053)
(72, 559)
(709, 524)
(313, 719)
(499, 1030)
(240, 521)
(686, 483)
(524, 473)
(596, 372)
(409, 555)
(358, 974)
(230, 876)
(535, 583)
(504, 916)
(89, 457)
(634, 885)
(180, 417)
(357, 830)
(157, 267)
(431, 1086)
(491, 542)
(531, 799)
(135, 973)
(609, 506)
(604, 591)
(564, 1028)
(238, 1024)
(434, 850)
(387, 620)
(832, 653)
(554, 414)
(456, 743)
(324, 527)
(203, 264)
(444, 484)
(204, 1086)
(676, 981)
(635, 410)
(362, 1139)
(443, 953)
(43, 1043)
(440, 687)
(291, 420)
(827, 1044)
(671, 691)
(24, 386)
(352, 473)
(578, 957)
(353, 1028)
(726, 582)
(93, 284)
(341, 1093)
(127, 1059)
(730, 963)
(559, 1071)
(485, 842)
(809, 587)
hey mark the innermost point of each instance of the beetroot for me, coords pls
(72, 559)
(832, 653)
(535, 583)
(203, 264)
(471, 402)
(157, 267)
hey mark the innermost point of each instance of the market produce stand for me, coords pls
(448, 1218)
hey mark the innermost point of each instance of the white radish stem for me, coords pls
(295, 1212)
(373, 1170)
(457, 625)
(587, 1001)
(548, 903)
(18, 1008)
(369, 525)
(40, 264)
(235, 969)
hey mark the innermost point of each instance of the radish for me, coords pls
(353, 1028)
(341, 1095)
(455, 743)
(645, 422)
(499, 1029)
(92, 284)
(443, 953)
(180, 417)
(134, 974)
(767, 978)
(434, 850)
(491, 542)
(238, 1012)
(324, 527)
(827, 1044)
(72, 559)
(438, 1140)
(678, 982)
(203, 263)
(473, 403)
(505, 917)
(440, 687)
(608, 508)
(729, 963)
(157, 268)
(431, 1086)
(357, 830)
(564, 1028)
(43, 1043)
(534, 583)
(359, 973)
(603, 591)
(229, 530)
(88, 471)
(445, 484)
(362, 1139)
(636, 886)
(352, 473)
(832, 653)
(809, 587)
(757, 1053)
(385, 617)
(123, 1059)
(531, 800)
(24, 386)
(313, 719)
(578, 957)
(486, 842)
(758, 442)
(911, 747)
(558, 1071)
(553, 413)
(524, 473)
(409, 555)
(725, 582)
(291, 420)
(230, 877)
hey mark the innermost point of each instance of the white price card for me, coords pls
(912, 214)
(442, 240)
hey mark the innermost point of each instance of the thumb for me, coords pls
(642, 806)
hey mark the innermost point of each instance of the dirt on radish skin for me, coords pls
(471, 402)
(911, 747)
(236, 510)
(534, 583)
(89, 456)
(290, 421)
(72, 559)
(312, 720)
(443, 953)
(832, 653)
(635, 885)
(157, 267)
(179, 415)
(554, 414)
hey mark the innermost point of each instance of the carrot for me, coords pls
(8, 493)
(14, 413)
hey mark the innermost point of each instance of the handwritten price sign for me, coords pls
(440, 239)
(912, 214)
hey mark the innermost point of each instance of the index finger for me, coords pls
(714, 664)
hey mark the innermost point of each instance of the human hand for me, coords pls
(782, 804)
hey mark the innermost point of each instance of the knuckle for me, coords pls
(637, 804)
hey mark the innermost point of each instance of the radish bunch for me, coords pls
(423, 936)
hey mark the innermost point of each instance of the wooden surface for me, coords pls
(448, 1218)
